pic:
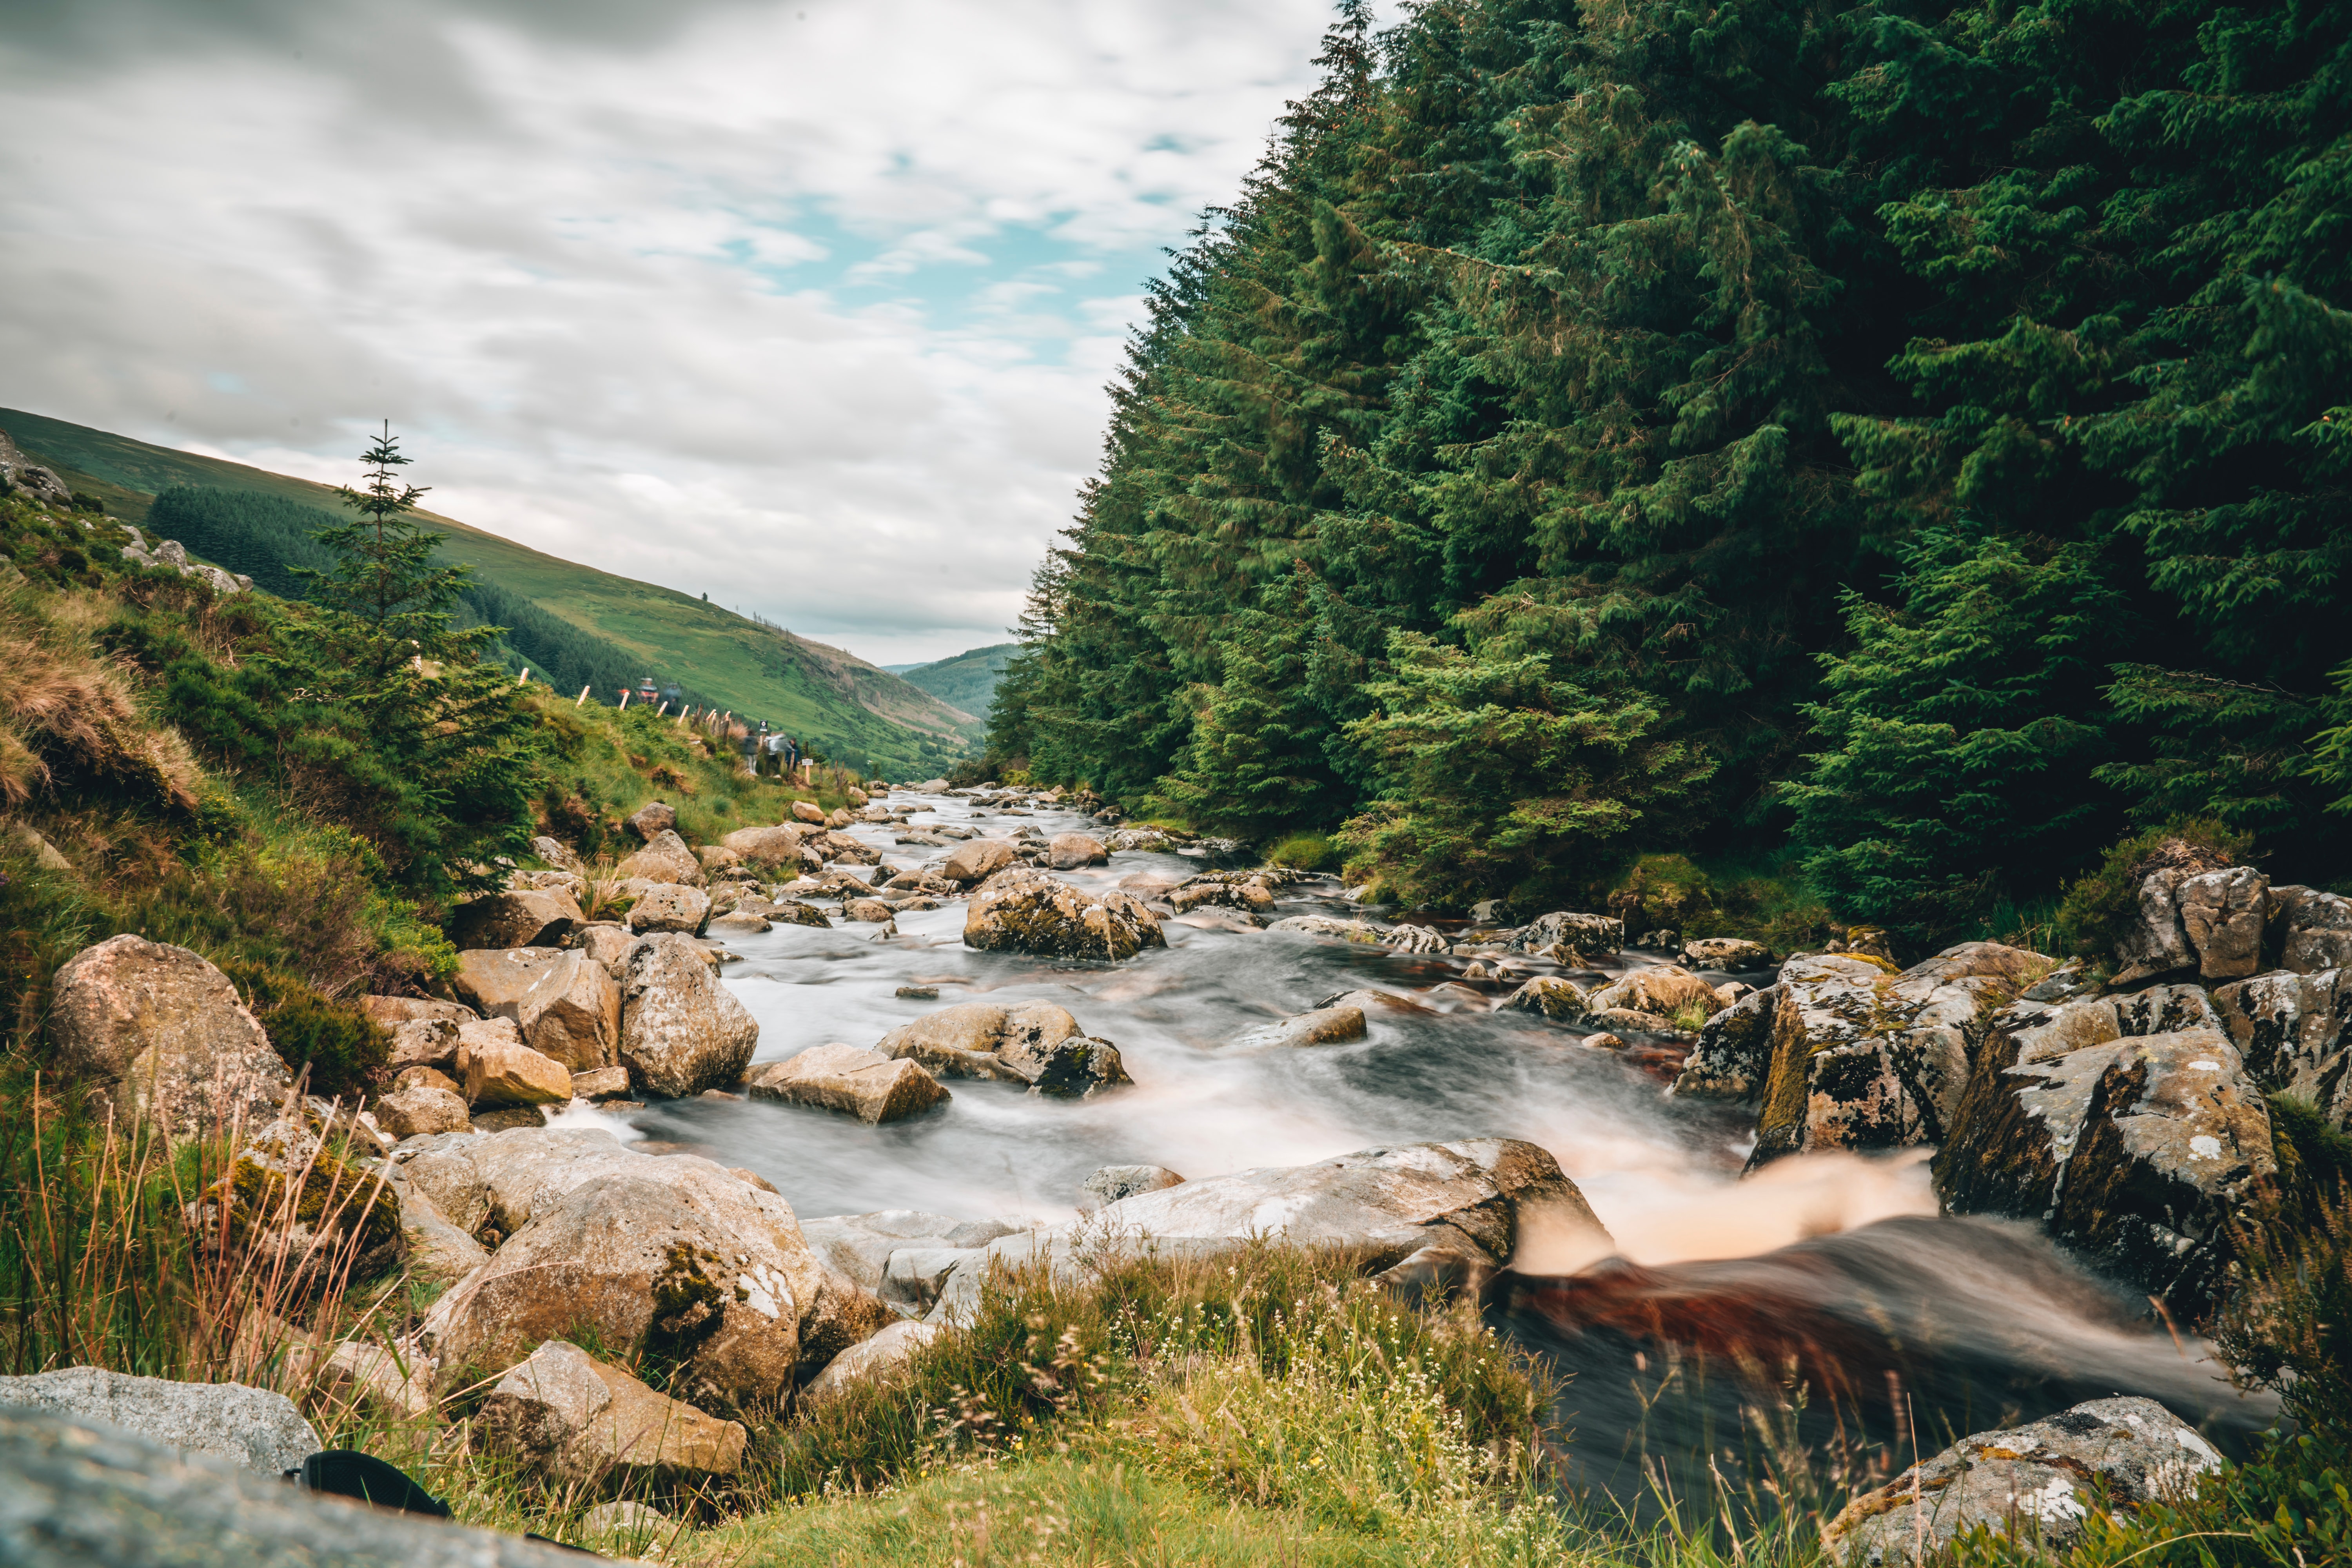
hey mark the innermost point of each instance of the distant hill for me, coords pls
(848, 710)
(967, 681)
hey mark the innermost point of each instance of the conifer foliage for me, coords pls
(1912, 429)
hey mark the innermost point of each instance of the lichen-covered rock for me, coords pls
(1414, 939)
(665, 859)
(1589, 936)
(557, 853)
(2314, 930)
(1733, 1053)
(1725, 952)
(1865, 1060)
(1072, 1066)
(670, 907)
(641, 1251)
(1321, 1026)
(962, 1041)
(866, 912)
(2221, 915)
(1020, 911)
(2036, 1484)
(563, 1412)
(288, 1201)
(2294, 1034)
(1250, 897)
(873, 1087)
(255, 1429)
(1363, 931)
(542, 917)
(166, 1033)
(1562, 1001)
(681, 1030)
(1667, 990)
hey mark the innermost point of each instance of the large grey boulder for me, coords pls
(252, 1428)
(77, 1494)
(670, 907)
(776, 847)
(873, 1087)
(1473, 1197)
(2037, 1483)
(1069, 851)
(1862, 1058)
(1035, 1043)
(573, 1014)
(681, 1030)
(2136, 1141)
(2211, 921)
(977, 859)
(1020, 910)
(541, 917)
(166, 1031)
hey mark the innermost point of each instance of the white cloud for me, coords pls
(814, 315)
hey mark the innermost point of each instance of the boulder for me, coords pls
(1322, 1026)
(538, 918)
(860, 1246)
(494, 981)
(563, 1412)
(681, 1030)
(1248, 897)
(2221, 915)
(167, 1033)
(665, 859)
(740, 923)
(412, 1113)
(251, 1428)
(1068, 851)
(2315, 930)
(2294, 1032)
(977, 860)
(776, 847)
(2135, 1145)
(353, 1371)
(1020, 910)
(609, 945)
(808, 812)
(1865, 1060)
(1725, 952)
(962, 1041)
(870, 1086)
(394, 1011)
(1668, 991)
(507, 1072)
(1562, 1001)
(799, 914)
(1326, 925)
(427, 1078)
(1070, 1068)
(670, 907)
(1413, 938)
(571, 1014)
(650, 822)
(866, 912)
(1112, 1182)
(602, 1083)
(558, 854)
(878, 1359)
(1588, 936)
(718, 860)
(1471, 1196)
(435, 1252)
(425, 1043)
(635, 1250)
(1733, 1053)
(2036, 1484)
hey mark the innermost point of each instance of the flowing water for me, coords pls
(1980, 1322)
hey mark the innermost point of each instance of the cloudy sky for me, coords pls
(805, 305)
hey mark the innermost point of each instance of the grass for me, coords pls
(838, 702)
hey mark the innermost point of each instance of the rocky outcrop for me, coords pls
(665, 859)
(1862, 1058)
(563, 1412)
(252, 1428)
(1037, 1044)
(166, 1034)
(2294, 1032)
(977, 860)
(874, 1088)
(1020, 910)
(1321, 1026)
(2208, 922)
(681, 1031)
(2037, 1483)
(2315, 930)
(638, 1249)
(19, 472)
(2128, 1126)
(670, 907)
(1470, 1198)
(540, 918)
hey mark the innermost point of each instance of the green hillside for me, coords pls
(968, 680)
(848, 710)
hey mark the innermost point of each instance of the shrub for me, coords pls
(343, 1048)
(1306, 852)
(2092, 913)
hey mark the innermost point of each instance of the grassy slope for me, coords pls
(968, 680)
(805, 688)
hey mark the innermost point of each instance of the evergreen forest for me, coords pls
(1902, 444)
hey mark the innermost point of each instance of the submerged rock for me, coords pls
(1576, 935)
(874, 1088)
(1020, 911)
(1322, 1026)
